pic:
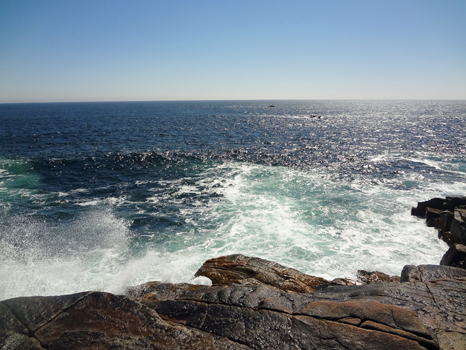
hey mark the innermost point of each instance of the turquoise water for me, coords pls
(103, 196)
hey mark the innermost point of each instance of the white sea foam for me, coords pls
(314, 221)
(109, 201)
(374, 161)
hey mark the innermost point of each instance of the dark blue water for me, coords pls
(104, 195)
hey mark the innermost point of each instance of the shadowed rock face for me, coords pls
(448, 215)
(95, 321)
(427, 310)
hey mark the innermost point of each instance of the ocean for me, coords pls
(104, 195)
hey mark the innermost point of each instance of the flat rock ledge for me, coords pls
(257, 304)
(425, 310)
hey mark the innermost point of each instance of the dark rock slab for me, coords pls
(452, 202)
(458, 226)
(106, 321)
(324, 334)
(455, 256)
(434, 203)
(441, 304)
(432, 216)
(265, 328)
(262, 317)
(30, 313)
(14, 334)
(444, 227)
(429, 273)
(34, 312)
(245, 270)
(389, 315)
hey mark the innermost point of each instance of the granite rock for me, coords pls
(447, 215)
(434, 203)
(427, 310)
(245, 270)
(96, 321)
(455, 256)
(366, 277)
(396, 315)
(452, 202)
(458, 226)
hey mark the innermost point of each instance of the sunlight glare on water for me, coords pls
(133, 192)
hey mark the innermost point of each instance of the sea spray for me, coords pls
(44, 258)
(110, 202)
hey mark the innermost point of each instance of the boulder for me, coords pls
(432, 215)
(452, 202)
(365, 277)
(245, 270)
(455, 256)
(434, 203)
(458, 226)
(444, 226)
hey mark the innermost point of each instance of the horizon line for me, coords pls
(220, 100)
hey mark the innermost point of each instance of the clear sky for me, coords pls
(107, 50)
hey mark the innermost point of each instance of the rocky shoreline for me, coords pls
(258, 304)
(448, 216)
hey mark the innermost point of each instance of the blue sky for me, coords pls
(97, 50)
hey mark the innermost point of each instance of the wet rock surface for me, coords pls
(259, 304)
(427, 310)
